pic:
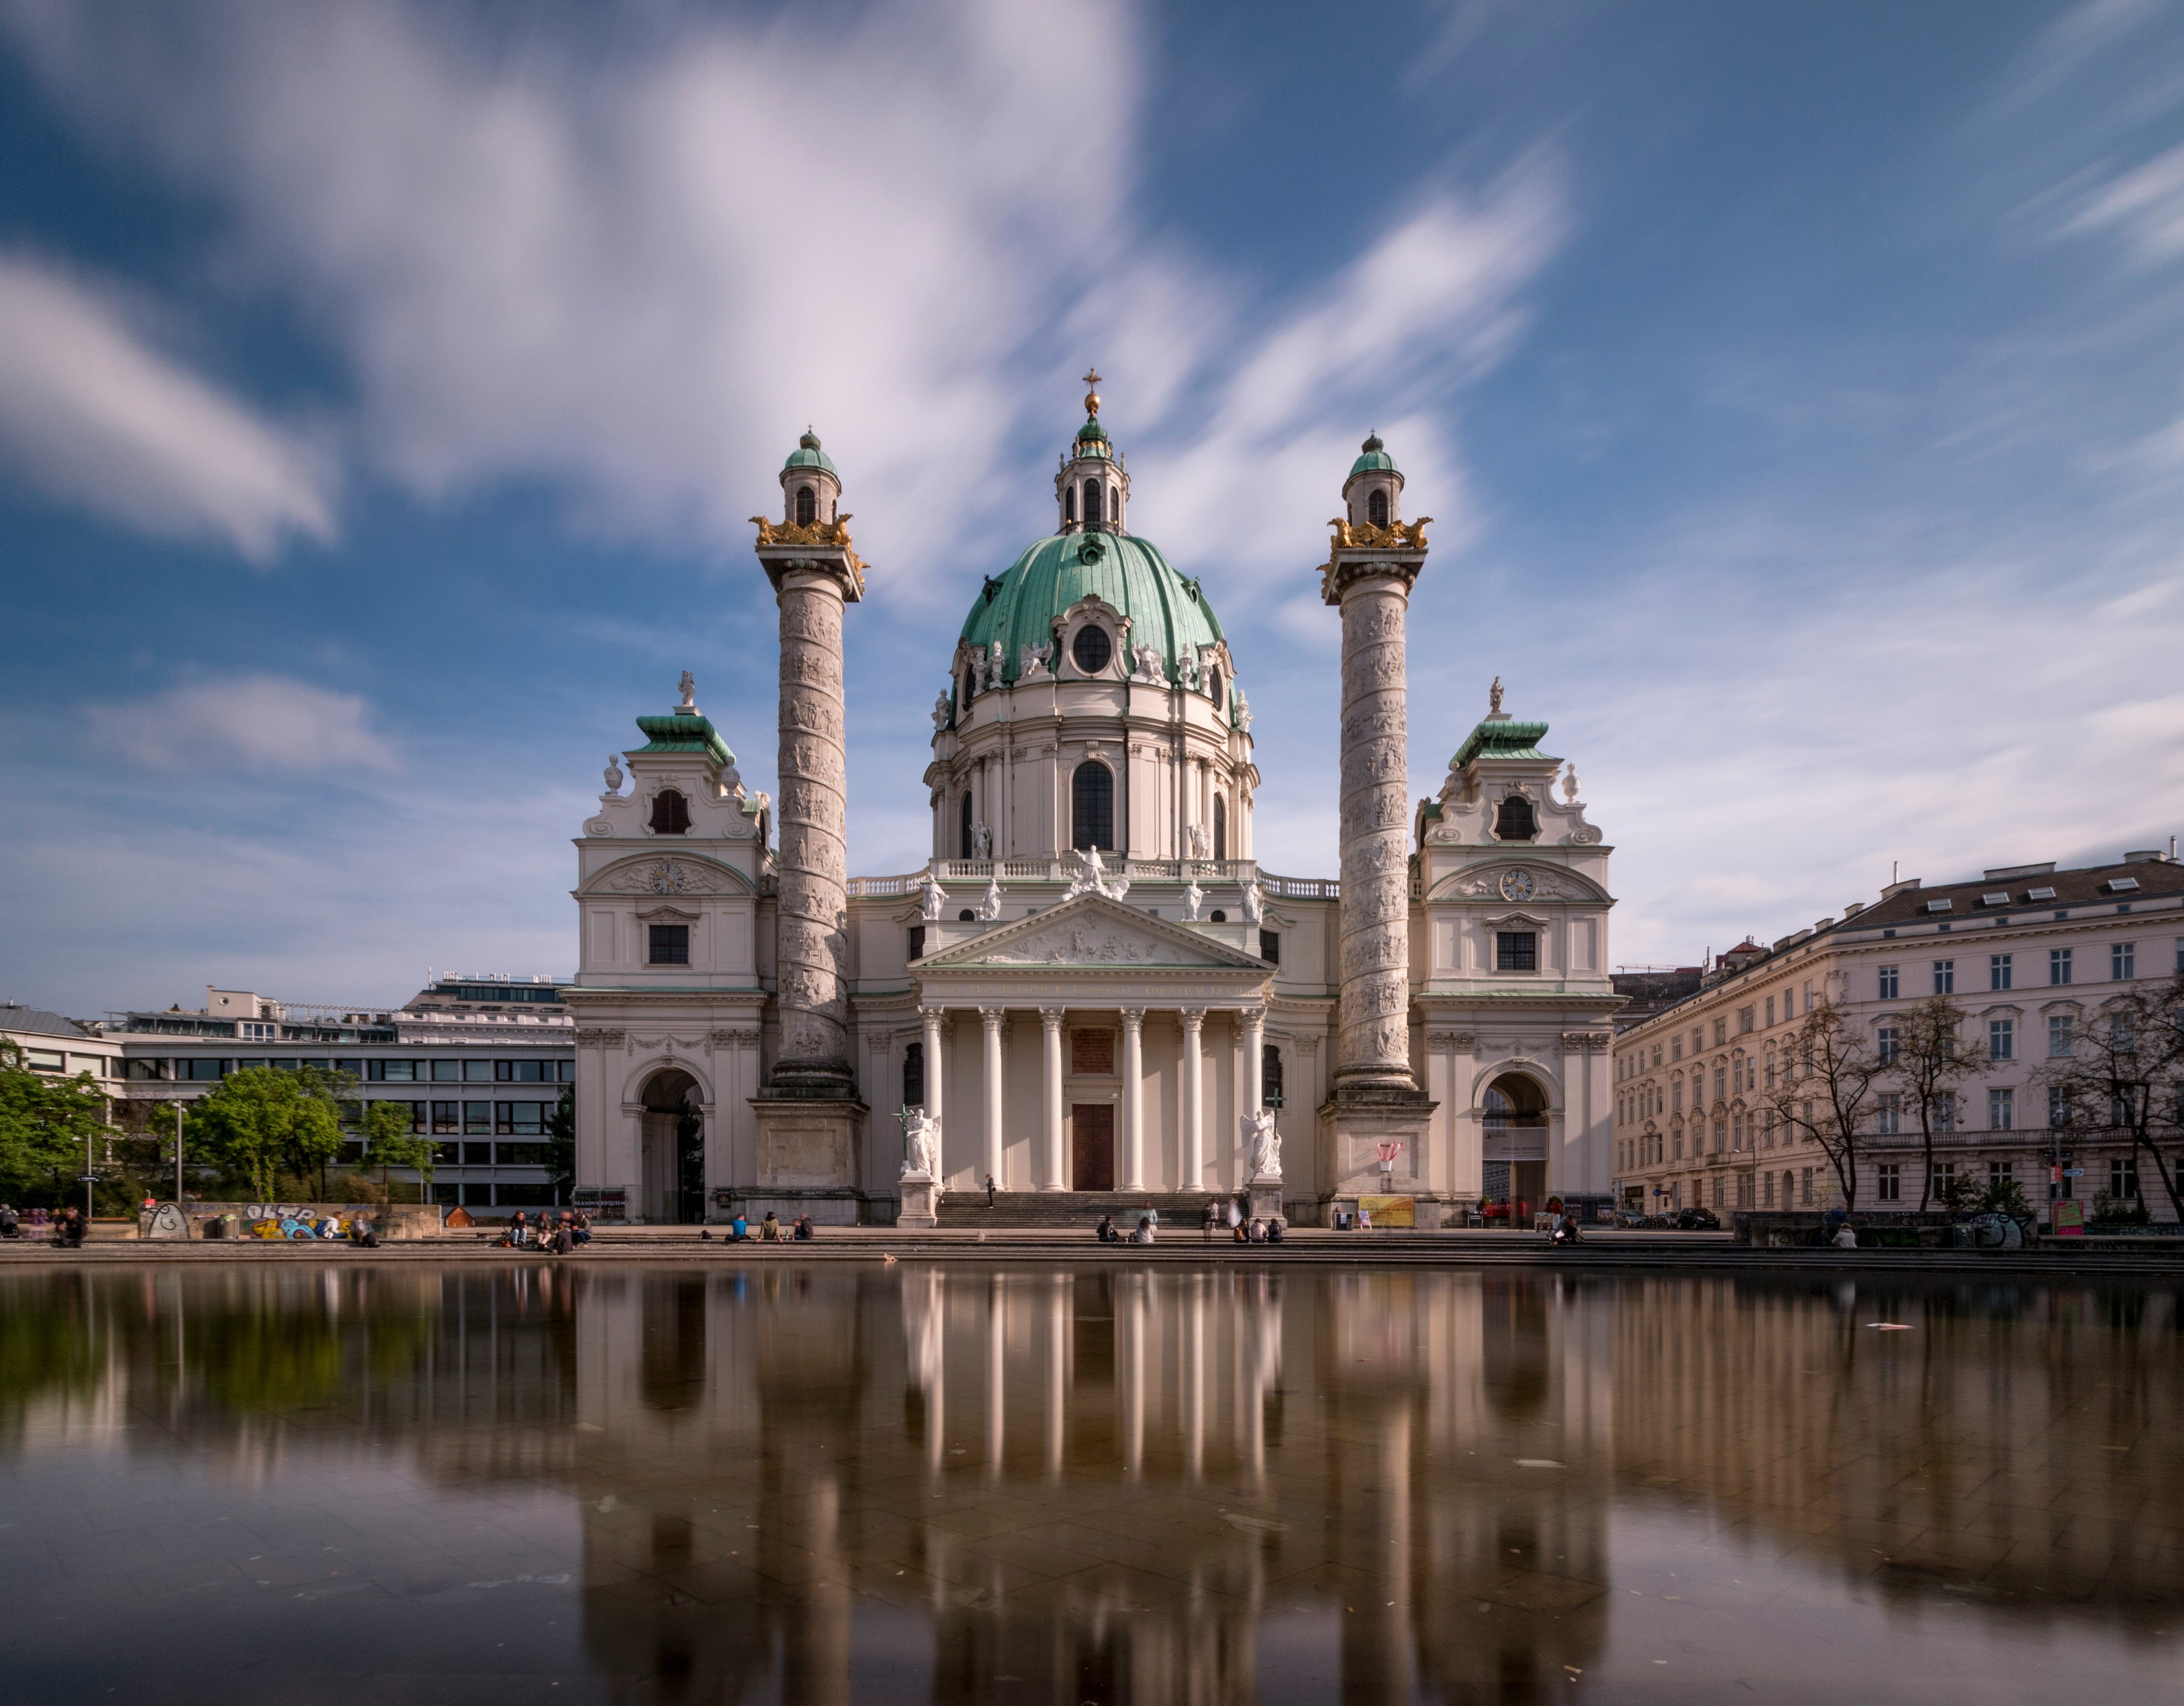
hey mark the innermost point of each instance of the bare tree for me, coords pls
(1827, 1092)
(2124, 1074)
(1932, 1059)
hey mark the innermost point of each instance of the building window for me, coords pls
(1721, 1083)
(1270, 946)
(447, 1072)
(1270, 1076)
(1091, 648)
(1891, 983)
(1888, 1114)
(913, 1075)
(807, 506)
(2002, 1109)
(2059, 965)
(1944, 1110)
(965, 845)
(444, 1123)
(669, 945)
(1945, 976)
(1999, 972)
(671, 813)
(1744, 1020)
(2123, 1179)
(2123, 961)
(1770, 1021)
(1720, 1032)
(1516, 950)
(1069, 503)
(1805, 1188)
(1717, 1190)
(1220, 827)
(2062, 1035)
(1092, 800)
(2001, 1039)
(1942, 1180)
(1514, 821)
(2000, 1172)
(1091, 503)
(1676, 1090)
(917, 943)
(1887, 1043)
(1376, 507)
(2059, 1107)
(1720, 1134)
(1744, 1191)
(1888, 1182)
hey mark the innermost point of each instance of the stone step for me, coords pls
(1177, 1209)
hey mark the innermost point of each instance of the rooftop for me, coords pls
(38, 1022)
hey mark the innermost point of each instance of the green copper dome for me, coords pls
(1018, 608)
(808, 454)
(1092, 438)
(1375, 460)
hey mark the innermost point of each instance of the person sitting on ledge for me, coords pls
(739, 1230)
(1846, 1236)
(1239, 1234)
(1274, 1229)
(1105, 1232)
(1144, 1235)
(769, 1229)
(803, 1232)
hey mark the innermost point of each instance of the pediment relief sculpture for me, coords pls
(656, 876)
(1095, 931)
(1516, 883)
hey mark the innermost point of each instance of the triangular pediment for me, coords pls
(1093, 931)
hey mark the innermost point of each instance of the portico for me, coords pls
(1092, 1047)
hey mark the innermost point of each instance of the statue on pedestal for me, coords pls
(1265, 1146)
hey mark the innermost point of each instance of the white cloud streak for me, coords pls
(91, 414)
(264, 723)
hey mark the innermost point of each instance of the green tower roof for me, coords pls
(1502, 737)
(1376, 459)
(1018, 608)
(808, 454)
(684, 732)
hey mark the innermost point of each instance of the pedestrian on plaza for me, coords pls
(72, 1229)
(990, 1190)
(1212, 1218)
(1152, 1214)
(565, 1238)
(1239, 1234)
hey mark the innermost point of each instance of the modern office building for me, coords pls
(2028, 952)
(478, 1060)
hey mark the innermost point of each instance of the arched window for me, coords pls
(1270, 1076)
(913, 1075)
(1092, 648)
(1091, 503)
(1220, 827)
(965, 847)
(807, 506)
(1514, 822)
(1376, 507)
(1213, 688)
(1069, 502)
(1092, 802)
(966, 701)
(671, 813)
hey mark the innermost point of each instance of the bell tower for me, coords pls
(1092, 487)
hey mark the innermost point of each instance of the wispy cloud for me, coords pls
(2147, 203)
(91, 412)
(255, 722)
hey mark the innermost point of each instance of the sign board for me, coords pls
(2074, 1173)
(2070, 1220)
(1389, 1211)
(604, 1202)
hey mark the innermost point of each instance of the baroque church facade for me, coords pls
(1091, 987)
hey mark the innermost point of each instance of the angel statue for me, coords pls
(1265, 1144)
(981, 841)
(920, 1144)
(940, 712)
(1031, 660)
(930, 891)
(1201, 846)
(1194, 897)
(1255, 903)
(991, 908)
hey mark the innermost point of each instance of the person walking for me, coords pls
(1212, 1220)
(990, 1190)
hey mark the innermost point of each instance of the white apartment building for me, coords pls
(2029, 951)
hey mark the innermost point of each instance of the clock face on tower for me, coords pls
(1518, 885)
(668, 878)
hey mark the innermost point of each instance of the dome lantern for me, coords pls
(1092, 488)
(1374, 487)
(811, 487)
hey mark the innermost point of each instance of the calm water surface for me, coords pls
(818, 1483)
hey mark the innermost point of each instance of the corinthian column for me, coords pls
(1373, 1098)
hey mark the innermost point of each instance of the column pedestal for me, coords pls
(921, 1205)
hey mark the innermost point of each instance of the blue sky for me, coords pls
(383, 390)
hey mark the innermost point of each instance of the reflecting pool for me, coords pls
(822, 1481)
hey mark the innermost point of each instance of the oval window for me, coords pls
(1092, 648)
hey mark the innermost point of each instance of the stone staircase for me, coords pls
(966, 1210)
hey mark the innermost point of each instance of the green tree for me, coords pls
(264, 1118)
(1932, 1059)
(561, 1147)
(1826, 1091)
(389, 1143)
(47, 1125)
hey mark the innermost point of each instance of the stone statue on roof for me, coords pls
(689, 684)
(1494, 698)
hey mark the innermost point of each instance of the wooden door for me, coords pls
(1092, 1146)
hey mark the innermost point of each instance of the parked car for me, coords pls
(1695, 1219)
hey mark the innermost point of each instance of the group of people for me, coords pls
(550, 1235)
(801, 1231)
(66, 1228)
(1254, 1230)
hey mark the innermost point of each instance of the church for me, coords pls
(1090, 995)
